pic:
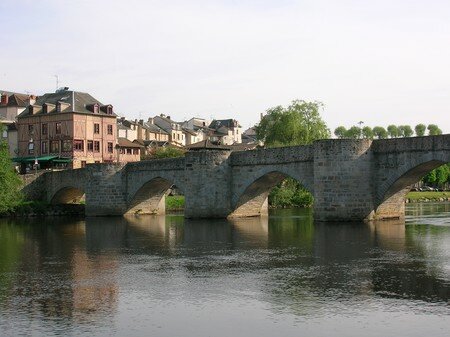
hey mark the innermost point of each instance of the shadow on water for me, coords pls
(70, 268)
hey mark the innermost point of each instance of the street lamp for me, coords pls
(31, 150)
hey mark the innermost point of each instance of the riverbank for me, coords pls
(413, 197)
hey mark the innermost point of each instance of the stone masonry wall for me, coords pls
(343, 180)
(207, 192)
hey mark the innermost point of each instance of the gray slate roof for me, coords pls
(79, 101)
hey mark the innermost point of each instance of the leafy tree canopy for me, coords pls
(298, 124)
(340, 132)
(354, 132)
(380, 132)
(10, 182)
(393, 131)
(433, 130)
(420, 129)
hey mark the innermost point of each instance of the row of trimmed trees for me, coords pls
(392, 131)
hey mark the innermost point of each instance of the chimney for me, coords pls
(32, 99)
(4, 100)
(151, 120)
(122, 119)
(141, 121)
(168, 117)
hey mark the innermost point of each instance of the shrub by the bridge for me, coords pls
(10, 182)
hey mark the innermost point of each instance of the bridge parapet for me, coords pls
(289, 154)
(408, 144)
(158, 164)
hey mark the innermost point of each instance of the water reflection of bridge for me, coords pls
(85, 259)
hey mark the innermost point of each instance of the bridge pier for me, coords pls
(104, 188)
(207, 187)
(343, 184)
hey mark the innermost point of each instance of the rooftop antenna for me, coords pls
(57, 81)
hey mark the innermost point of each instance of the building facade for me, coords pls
(70, 126)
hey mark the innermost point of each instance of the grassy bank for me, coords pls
(175, 203)
(428, 196)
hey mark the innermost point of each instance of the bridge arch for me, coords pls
(391, 195)
(149, 197)
(252, 198)
(68, 195)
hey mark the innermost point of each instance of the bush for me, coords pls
(290, 193)
(10, 182)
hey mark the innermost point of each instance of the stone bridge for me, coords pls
(350, 179)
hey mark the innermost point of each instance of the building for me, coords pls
(11, 105)
(127, 129)
(174, 129)
(128, 151)
(226, 131)
(69, 127)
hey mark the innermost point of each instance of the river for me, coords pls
(276, 276)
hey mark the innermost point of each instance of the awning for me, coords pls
(33, 159)
(62, 160)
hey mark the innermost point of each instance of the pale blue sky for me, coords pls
(380, 62)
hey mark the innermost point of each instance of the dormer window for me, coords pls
(58, 107)
(96, 107)
(44, 109)
(109, 109)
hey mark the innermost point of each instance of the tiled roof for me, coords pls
(123, 142)
(79, 102)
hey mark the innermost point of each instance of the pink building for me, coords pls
(68, 127)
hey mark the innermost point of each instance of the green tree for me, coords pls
(393, 131)
(442, 174)
(354, 132)
(380, 132)
(10, 182)
(298, 124)
(340, 132)
(420, 129)
(405, 131)
(430, 178)
(367, 132)
(433, 130)
(165, 152)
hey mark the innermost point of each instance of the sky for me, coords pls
(377, 62)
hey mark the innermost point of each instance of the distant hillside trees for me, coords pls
(392, 131)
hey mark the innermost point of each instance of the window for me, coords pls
(109, 110)
(78, 145)
(110, 147)
(90, 146)
(128, 151)
(83, 163)
(96, 128)
(135, 151)
(45, 129)
(44, 147)
(96, 108)
(54, 146)
(58, 128)
(96, 146)
(58, 107)
(30, 129)
(30, 148)
(110, 129)
(67, 145)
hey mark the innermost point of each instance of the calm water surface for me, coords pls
(282, 276)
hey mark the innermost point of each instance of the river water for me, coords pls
(281, 276)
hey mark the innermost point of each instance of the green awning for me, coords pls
(32, 159)
(62, 160)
